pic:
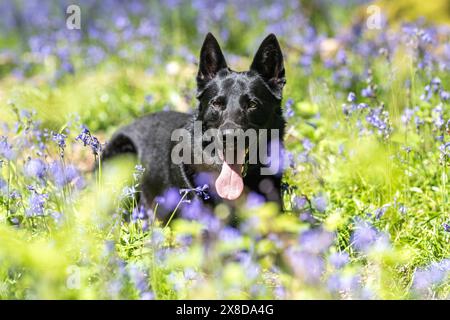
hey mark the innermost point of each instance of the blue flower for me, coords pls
(202, 191)
(299, 202)
(320, 203)
(338, 259)
(89, 140)
(446, 227)
(254, 200)
(60, 140)
(305, 265)
(316, 240)
(364, 236)
(3, 186)
(351, 97)
(62, 176)
(36, 204)
(35, 168)
(289, 111)
(6, 150)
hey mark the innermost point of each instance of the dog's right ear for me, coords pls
(268, 63)
(211, 61)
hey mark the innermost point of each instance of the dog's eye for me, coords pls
(252, 104)
(217, 104)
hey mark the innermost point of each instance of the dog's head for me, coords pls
(235, 102)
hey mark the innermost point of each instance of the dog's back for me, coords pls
(149, 137)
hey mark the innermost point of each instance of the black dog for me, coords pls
(228, 100)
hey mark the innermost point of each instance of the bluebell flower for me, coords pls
(148, 295)
(138, 277)
(169, 200)
(339, 259)
(446, 227)
(35, 168)
(444, 95)
(289, 111)
(229, 234)
(320, 203)
(193, 210)
(36, 204)
(430, 276)
(3, 186)
(6, 149)
(89, 140)
(368, 92)
(364, 236)
(380, 212)
(157, 237)
(254, 200)
(351, 97)
(63, 176)
(299, 203)
(139, 213)
(316, 240)
(307, 266)
(60, 140)
(138, 172)
(407, 116)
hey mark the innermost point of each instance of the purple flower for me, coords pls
(289, 111)
(446, 227)
(407, 115)
(157, 237)
(364, 236)
(3, 186)
(254, 200)
(316, 240)
(428, 277)
(148, 295)
(444, 95)
(169, 200)
(351, 97)
(368, 92)
(320, 203)
(299, 202)
(305, 265)
(139, 213)
(380, 212)
(89, 140)
(347, 283)
(6, 150)
(193, 210)
(201, 191)
(60, 140)
(35, 168)
(62, 176)
(338, 259)
(229, 234)
(139, 278)
(138, 172)
(36, 204)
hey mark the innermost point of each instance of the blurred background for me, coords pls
(131, 57)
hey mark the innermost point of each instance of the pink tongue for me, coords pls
(229, 184)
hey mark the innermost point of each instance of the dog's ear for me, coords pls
(211, 61)
(268, 63)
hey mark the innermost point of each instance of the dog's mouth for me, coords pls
(230, 184)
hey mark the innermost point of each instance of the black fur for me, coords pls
(250, 99)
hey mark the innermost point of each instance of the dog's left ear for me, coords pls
(268, 63)
(211, 61)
